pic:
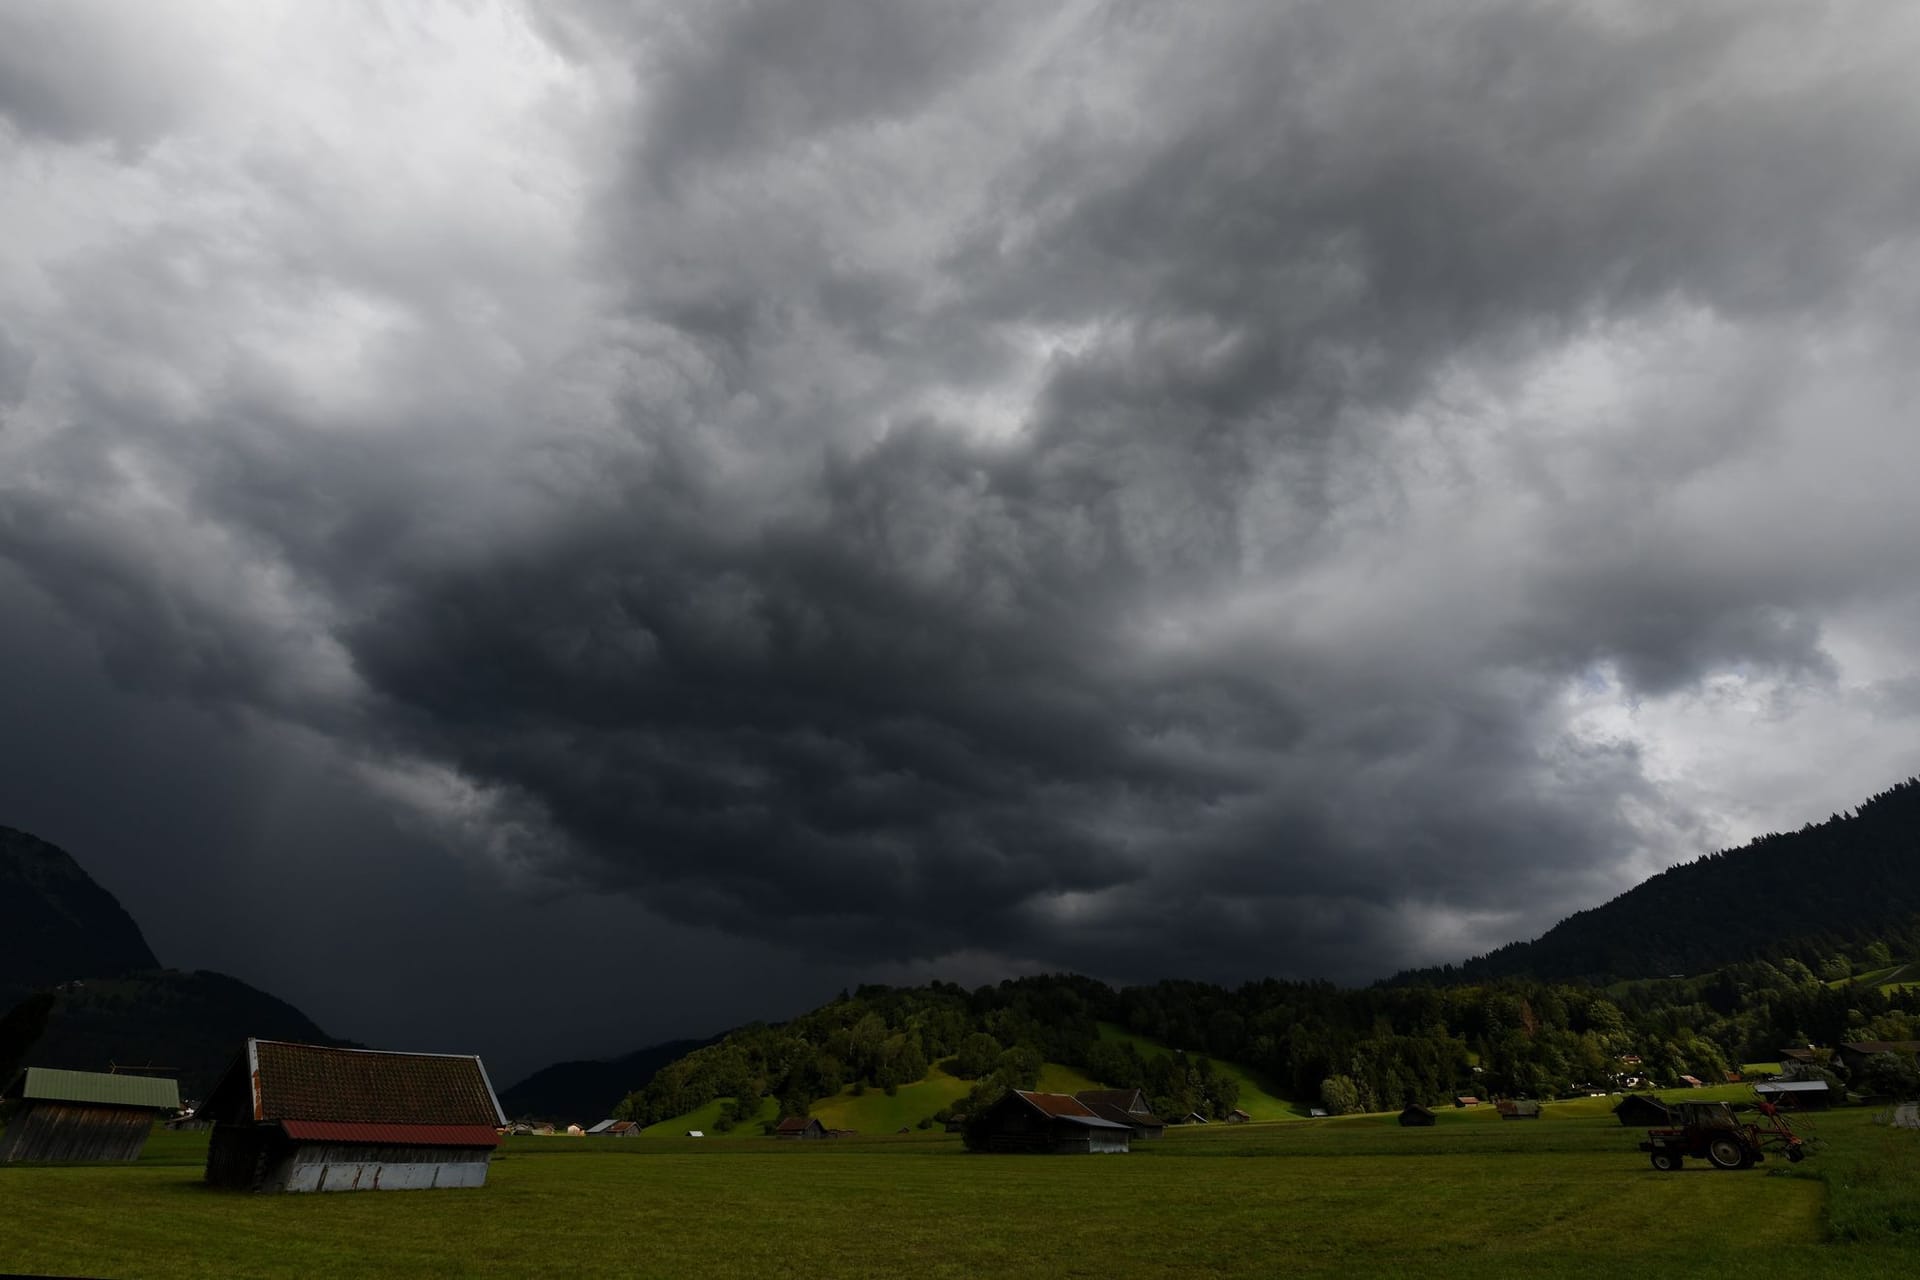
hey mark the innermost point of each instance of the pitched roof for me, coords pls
(52, 1085)
(1125, 1099)
(795, 1124)
(280, 1080)
(1791, 1086)
(1064, 1106)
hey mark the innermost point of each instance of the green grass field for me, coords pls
(1474, 1196)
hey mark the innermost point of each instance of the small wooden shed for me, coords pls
(1511, 1109)
(1125, 1106)
(800, 1127)
(1053, 1123)
(1416, 1116)
(308, 1117)
(83, 1115)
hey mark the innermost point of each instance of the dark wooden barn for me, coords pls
(1639, 1111)
(304, 1117)
(800, 1127)
(1124, 1106)
(1050, 1123)
(82, 1115)
(1796, 1095)
(1416, 1116)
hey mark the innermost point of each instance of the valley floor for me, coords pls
(1473, 1196)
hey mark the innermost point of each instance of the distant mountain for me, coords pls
(184, 1025)
(585, 1092)
(1841, 880)
(80, 987)
(56, 923)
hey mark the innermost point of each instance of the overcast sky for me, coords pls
(547, 528)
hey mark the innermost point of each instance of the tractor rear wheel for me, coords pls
(1726, 1153)
(1664, 1160)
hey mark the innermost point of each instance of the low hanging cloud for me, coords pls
(1223, 490)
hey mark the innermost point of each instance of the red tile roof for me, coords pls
(393, 1135)
(279, 1080)
(1058, 1104)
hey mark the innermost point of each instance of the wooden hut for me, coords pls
(1051, 1123)
(1466, 1100)
(1641, 1111)
(83, 1115)
(307, 1117)
(1511, 1109)
(800, 1127)
(1125, 1106)
(1237, 1116)
(1796, 1095)
(1416, 1116)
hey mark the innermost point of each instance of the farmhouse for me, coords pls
(1638, 1110)
(1125, 1106)
(1416, 1116)
(1796, 1095)
(1518, 1110)
(307, 1117)
(1054, 1123)
(800, 1128)
(83, 1115)
(1854, 1054)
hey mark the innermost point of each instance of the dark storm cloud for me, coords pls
(1154, 490)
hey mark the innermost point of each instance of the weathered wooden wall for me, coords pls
(72, 1131)
(261, 1158)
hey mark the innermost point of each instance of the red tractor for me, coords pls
(1711, 1131)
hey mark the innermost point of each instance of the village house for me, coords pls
(83, 1115)
(797, 1128)
(1416, 1116)
(306, 1117)
(1125, 1106)
(1853, 1054)
(1051, 1123)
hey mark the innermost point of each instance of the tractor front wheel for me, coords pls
(1727, 1153)
(1665, 1161)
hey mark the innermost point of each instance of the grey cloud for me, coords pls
(1065, 491)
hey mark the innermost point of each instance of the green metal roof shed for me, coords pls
(52, 1085)
(60, 1116)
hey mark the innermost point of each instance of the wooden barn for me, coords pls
(82, 1115)
(800, 1127)
(1796, 1095)
(1416, 1116)
(1518, 1110)
(1051, 1123)
(1125, 1106)
(1640, 1111)
(306, 1117)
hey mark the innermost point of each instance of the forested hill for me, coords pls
(56, 923)
(586, 1092)
(1804, 891)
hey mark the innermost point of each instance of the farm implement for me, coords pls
(1711, 1131)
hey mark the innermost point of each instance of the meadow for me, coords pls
(1473, 1196)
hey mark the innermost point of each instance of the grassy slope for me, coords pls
(1472, 1197)
(1255, 1099)
(875, 1112)
(704, 1118)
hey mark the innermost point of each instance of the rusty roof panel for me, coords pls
(1062, 1105)
(393, 1135)
(363, 1086)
